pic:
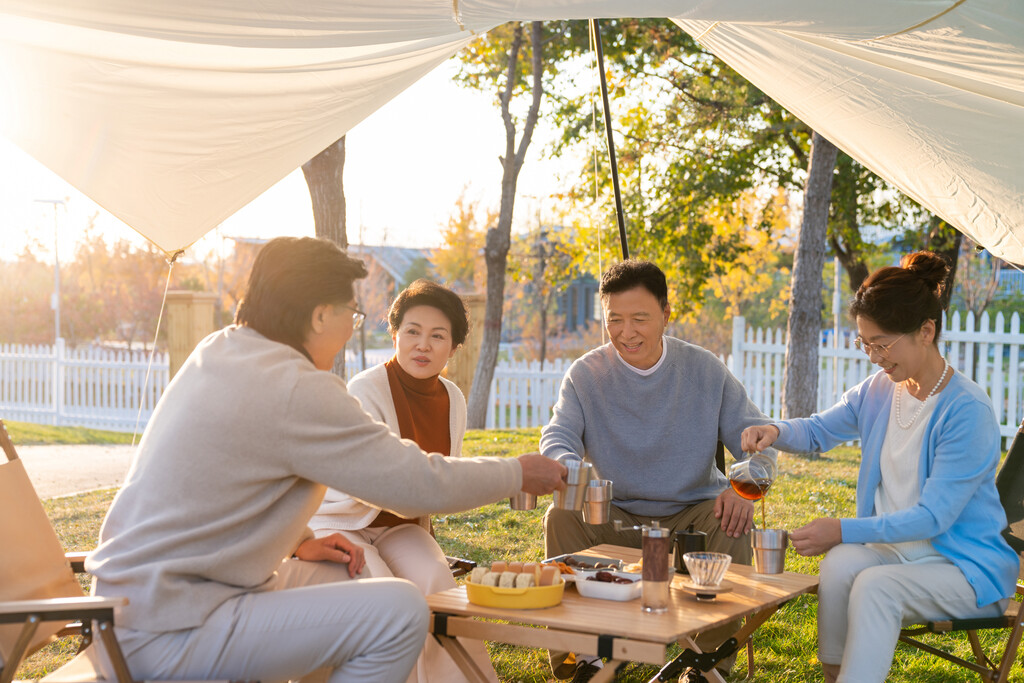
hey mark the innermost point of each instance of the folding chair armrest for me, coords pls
(77, 561)
(57, 609)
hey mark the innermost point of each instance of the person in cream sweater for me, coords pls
(233, 464)
(428, 323)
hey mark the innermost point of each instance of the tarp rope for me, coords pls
(593, 145)
(156, 335)
(595, 32)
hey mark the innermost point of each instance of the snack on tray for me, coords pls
(548, 576)
(525, 580)
(634, 568)
(508, 580)
(491, 579)
(477, 575)
(499, 566)
(564, 568)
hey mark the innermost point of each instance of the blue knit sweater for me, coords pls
(959, 509)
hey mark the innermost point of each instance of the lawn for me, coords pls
(26, 433)
(785, 647)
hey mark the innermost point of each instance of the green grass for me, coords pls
(24, 433)
(785, 647)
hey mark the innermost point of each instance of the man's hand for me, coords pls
(737, 514)
(333, 548)
(817, 537)
(757, 438)
(542, 475)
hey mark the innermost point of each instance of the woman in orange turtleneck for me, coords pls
(428, 323)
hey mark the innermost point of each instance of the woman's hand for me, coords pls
(757, 438)
(818, 537)
(333, 548)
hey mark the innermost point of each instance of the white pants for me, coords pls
(866, 594)
(358, 630)
(408, 551)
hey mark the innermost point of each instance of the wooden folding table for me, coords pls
(617, 631)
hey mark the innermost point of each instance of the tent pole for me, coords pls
(596, 32)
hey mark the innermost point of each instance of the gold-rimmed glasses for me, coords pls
(357, 317)
(881, 349)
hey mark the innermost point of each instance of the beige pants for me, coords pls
(866, 594)
(409, 552)
(367, 631)
(566, 532)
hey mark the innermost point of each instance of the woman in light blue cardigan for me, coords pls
(926, 542)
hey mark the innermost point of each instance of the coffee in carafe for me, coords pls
(751, 479)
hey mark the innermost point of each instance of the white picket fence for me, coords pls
(522, 394)
(94, 387)
(84, 387)
(987, 350)
(102, 389)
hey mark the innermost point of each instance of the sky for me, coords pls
(405, 166)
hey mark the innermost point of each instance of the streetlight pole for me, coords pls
(55, 302)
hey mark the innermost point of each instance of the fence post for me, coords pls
(739, 325)
(60, 361)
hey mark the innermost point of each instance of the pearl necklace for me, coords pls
(899, 396)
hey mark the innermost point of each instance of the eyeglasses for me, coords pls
(357, 317)
(881, 349)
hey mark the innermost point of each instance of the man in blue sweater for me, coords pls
(648, 411)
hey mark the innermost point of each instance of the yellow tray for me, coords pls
(515, 598)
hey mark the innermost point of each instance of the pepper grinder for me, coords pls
(657, 541)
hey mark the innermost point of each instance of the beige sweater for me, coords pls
(234, 463)
(340, 511)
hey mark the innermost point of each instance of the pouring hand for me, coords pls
(737, 514)
(817, 537)
(757, 438)
(542, 475)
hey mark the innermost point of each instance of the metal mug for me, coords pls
(523, 501)
(576, 481)
(769, 546)
(597, 501)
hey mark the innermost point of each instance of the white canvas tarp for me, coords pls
(173, 115)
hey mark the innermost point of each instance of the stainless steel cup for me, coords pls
(769, 546)
(523, 501)
(575, 486)
(597, 505)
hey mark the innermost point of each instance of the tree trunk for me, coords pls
(800, 384)
(499, 237)
(945, 240)
(844, 237)
(323, 175)
(852, 263)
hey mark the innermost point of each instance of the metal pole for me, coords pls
(595, 30)
(55, 303)
(836, 282)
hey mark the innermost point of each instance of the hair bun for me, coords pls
(928, 266)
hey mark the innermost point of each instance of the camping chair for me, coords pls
(1010, 482)
(40, 599)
